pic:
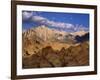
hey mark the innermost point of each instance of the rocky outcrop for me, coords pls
(39, 37)
(47, 47)
(82, 38)
(77, 55)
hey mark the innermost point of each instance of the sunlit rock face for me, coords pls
(48, 47)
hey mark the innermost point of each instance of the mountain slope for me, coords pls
(39, 37)
(48, 57)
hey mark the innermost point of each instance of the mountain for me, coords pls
(77, 55)
(48, 47)
(44, 33)
(39, 37)
(79, 33)
(36, 38)
(82, 38)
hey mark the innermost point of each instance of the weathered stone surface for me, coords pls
(48, 57)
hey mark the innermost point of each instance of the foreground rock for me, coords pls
(48, 57)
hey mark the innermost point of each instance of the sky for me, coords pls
(69, 22)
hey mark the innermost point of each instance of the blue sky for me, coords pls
(56, 20)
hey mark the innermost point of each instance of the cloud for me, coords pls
(26, 15)
(38, 19)
(60, 24)
(44, 21)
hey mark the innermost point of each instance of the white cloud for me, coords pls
(60, 24)
(26, 15)
(47, 22)
(38, 18)
(51, 23)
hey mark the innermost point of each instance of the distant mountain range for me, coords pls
(36, 38)
(48, 34)
(47, 47)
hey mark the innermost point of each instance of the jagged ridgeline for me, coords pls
(47, 47)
